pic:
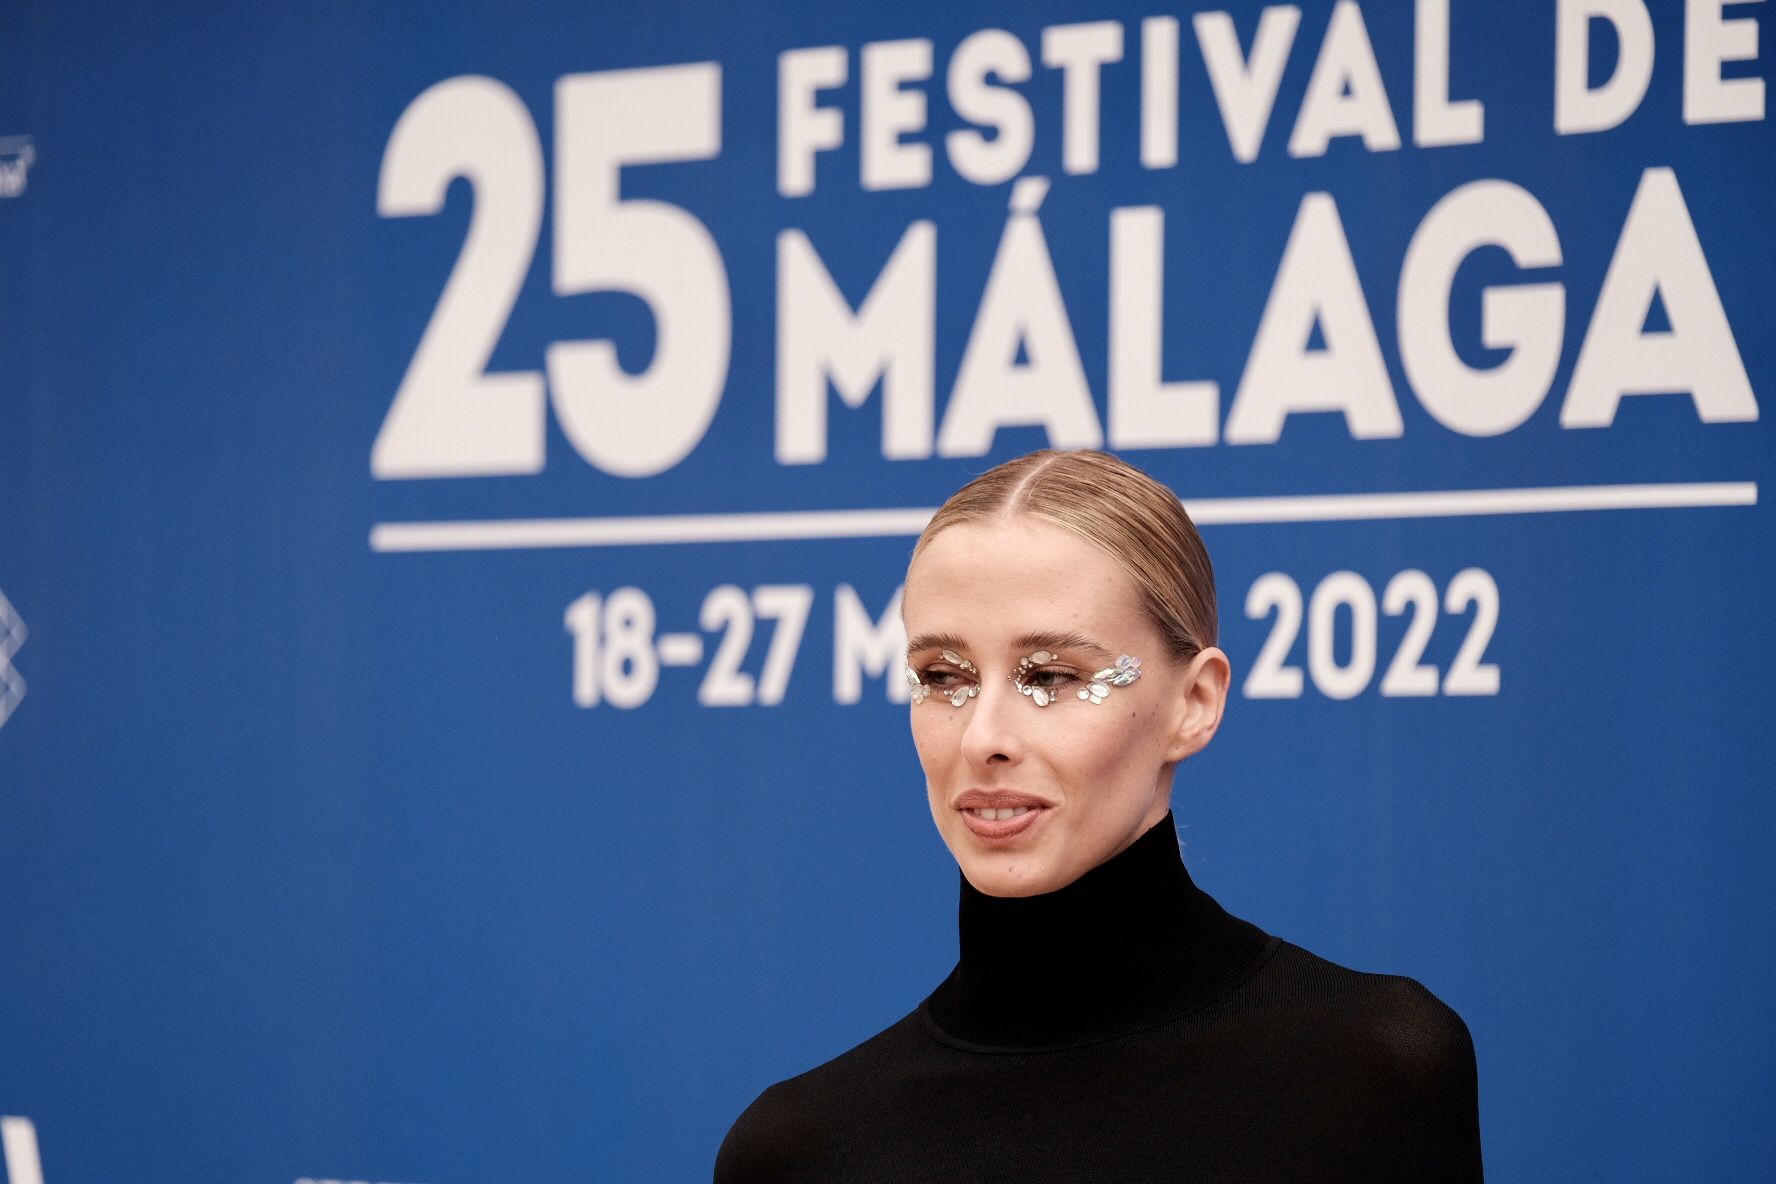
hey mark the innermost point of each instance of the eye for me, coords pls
(1051, 677)
(939, 676)
(950, 674)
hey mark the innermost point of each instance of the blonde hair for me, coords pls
(1108, 502)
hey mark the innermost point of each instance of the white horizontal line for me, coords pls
(781, 526)
(1458, 503)
(510, 533)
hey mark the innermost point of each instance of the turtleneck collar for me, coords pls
(1130, 944)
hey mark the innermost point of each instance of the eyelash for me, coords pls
(1067, 677)
(1037, 677)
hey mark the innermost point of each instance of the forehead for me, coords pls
(991, 582)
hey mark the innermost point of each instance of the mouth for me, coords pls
(1000, 824)
(997, 799)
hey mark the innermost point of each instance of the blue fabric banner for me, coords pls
(457, 469)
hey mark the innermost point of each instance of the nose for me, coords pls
(994, 735)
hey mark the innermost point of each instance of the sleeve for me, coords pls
(1435, 1089)
(756, 1149)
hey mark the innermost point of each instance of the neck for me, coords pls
(1130, 944)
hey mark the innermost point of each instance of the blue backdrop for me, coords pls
(438, 747)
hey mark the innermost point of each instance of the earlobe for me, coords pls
(1201, 702)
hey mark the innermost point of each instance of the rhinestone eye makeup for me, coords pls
(1096, 689)
(1126, 671)
(956, 695)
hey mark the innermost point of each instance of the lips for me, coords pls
(1009, 816)
(999, 799)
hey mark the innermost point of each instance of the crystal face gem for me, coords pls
(1126, 670)
(920, 690)
(1041, 696)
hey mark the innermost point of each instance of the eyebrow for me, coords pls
(1027, 642)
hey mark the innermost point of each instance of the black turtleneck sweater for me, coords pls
(1125, 1028)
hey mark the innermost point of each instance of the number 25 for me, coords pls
(450, 417)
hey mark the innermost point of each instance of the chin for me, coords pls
(1009, 874)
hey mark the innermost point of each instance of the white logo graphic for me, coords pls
(18, 1138)
(16, 157)
(12, 683)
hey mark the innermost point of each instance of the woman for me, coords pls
(1107, 1020)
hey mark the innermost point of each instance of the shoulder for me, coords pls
(781, 1134)
(1403, 1061)
(1391, 1024)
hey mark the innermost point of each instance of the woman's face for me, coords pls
(1097, 774)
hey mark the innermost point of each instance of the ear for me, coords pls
(1201, 699)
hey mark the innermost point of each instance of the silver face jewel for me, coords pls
(1126, 671)
(957, 696)
(1041, 696)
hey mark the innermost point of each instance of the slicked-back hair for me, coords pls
(1136, 521)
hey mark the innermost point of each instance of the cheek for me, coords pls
(931, 738)
(1100, 747)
